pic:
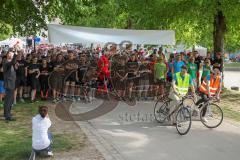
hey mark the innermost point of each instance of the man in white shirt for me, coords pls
(41, 138)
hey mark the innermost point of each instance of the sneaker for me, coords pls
(14, 103)
(22, 100)
(54, 100)
(204, 119)
(10, 119)
(73, 99)
(50, 153)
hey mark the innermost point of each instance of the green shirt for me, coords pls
(160, 70)
(206, 71)
(192, 70)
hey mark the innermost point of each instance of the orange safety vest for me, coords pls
(214, 85)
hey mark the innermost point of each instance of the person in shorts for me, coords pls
(34, 73)
(43, 79)
(160, 76)
(21, 74)
(58, 70)
(71, 67)
(120, 78)
(192, 70)
(144, 78)
(132, 69)
(81, 84)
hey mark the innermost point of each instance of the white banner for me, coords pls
(74, 34)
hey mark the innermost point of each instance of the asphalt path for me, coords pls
(134, 133)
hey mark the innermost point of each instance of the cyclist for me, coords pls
(180, 85)
(211, 86)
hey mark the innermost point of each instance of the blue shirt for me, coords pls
(190, 80)
(177, 65)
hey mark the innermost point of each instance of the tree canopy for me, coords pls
(195, 21)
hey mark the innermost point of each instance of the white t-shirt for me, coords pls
(40, 128)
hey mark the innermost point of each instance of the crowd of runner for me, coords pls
(61, 73)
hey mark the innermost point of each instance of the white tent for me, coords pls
(74, 34)
(13, 41)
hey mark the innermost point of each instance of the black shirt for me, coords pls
(121, 70)
(20, 71)
(198, 61)
(31, 67)
(81, 72)
(219, 62)
(143, 71)
(132, 67)
(44, 70)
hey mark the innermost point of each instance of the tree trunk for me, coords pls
(218, 36)
(219, 32)
(129, 24)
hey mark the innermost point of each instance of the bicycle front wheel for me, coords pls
(161, 111)
(211, 115)
(183, 121)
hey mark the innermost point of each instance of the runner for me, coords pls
(21, 74)
(160, 77)
(132, 69)
(177, 65)
(43, 79)
(121, 77)
(192, 70)
(206, 68)
(34, 74)
(144, 79)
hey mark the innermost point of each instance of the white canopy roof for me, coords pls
(74, 34)
(13, 41)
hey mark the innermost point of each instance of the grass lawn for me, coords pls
(15, 137)
(230, 103)
(232, 65)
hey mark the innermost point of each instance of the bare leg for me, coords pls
(33, 94)
(15, 96)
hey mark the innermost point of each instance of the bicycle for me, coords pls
(183, 116)
(211, 115)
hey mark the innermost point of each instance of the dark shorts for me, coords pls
(161, 81)
(120, 85)
(34, 83)
(20, 81)
(134, 80)
(71, 78)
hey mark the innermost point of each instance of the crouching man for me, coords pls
(41, 137)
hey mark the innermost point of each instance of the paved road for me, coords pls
(133, 133)
(232, 78)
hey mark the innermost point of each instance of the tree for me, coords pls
(5, 31)
(213, 24)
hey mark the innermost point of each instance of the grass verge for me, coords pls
(232, 65)
(230, 104)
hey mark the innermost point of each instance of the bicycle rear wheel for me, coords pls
(211, 115)
(161, 111)
(183, 121)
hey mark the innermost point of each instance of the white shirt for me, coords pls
(40, 128)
